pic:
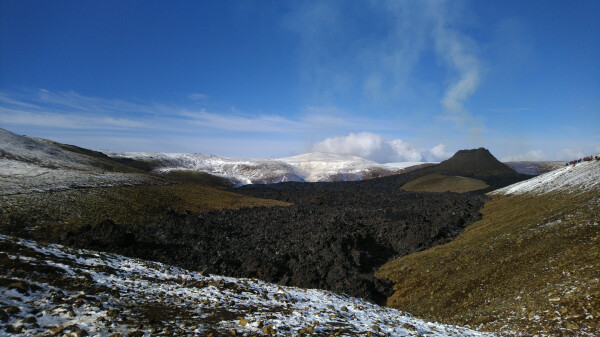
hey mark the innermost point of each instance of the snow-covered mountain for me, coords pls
(87, 293)
(29, 164)
(40, 152)
(309, 167)
(34, 164)
(575, 178)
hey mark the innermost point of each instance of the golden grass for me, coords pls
(442, 183)
(532, 265)
(129, 205)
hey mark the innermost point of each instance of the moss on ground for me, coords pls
(530, 265)
(128, 205)
(442, 183)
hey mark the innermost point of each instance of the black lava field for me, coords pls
(333, 237)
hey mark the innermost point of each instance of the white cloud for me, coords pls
(67, 121)
(71, 116)
(70, 110)
(533, 155)
(198, 97)
(374, 147)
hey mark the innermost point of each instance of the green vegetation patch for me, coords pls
(530, 265)
(442, 183)
(129, 205)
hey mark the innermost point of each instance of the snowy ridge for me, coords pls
(99, 294)
(30, 164)
(38, 151)
(20, 177)
(583, 176)
(310, 167)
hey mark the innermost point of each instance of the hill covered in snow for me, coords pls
(571, 178)
(308, 167)
(29, 164)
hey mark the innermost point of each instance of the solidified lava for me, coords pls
(333, 237)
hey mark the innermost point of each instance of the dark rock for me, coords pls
(12, 310)
(334, 236)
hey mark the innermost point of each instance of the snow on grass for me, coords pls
(21, 177)
(54, 288)
(580, 177)
(38, 151)
(30, 164)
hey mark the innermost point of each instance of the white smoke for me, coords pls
(438, 153)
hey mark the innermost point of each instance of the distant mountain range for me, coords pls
(61, 165)
(308, 167)
(527, 267)
(48, 165)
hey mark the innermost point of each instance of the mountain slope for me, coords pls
(441, 183)
(52, 155)
(576, 178)
(30, 164)
(530, 265)
(309, 167)
(475, 162)
(88, 293)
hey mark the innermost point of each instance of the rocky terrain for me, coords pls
(50, 290)
(327, 239)
(369, 239)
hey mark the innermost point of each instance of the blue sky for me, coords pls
(386, 80)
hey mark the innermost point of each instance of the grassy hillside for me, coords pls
(130, 205)
(530, 265)
(442, 183)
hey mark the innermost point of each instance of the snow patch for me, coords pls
(122, 285)
(584, 176)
